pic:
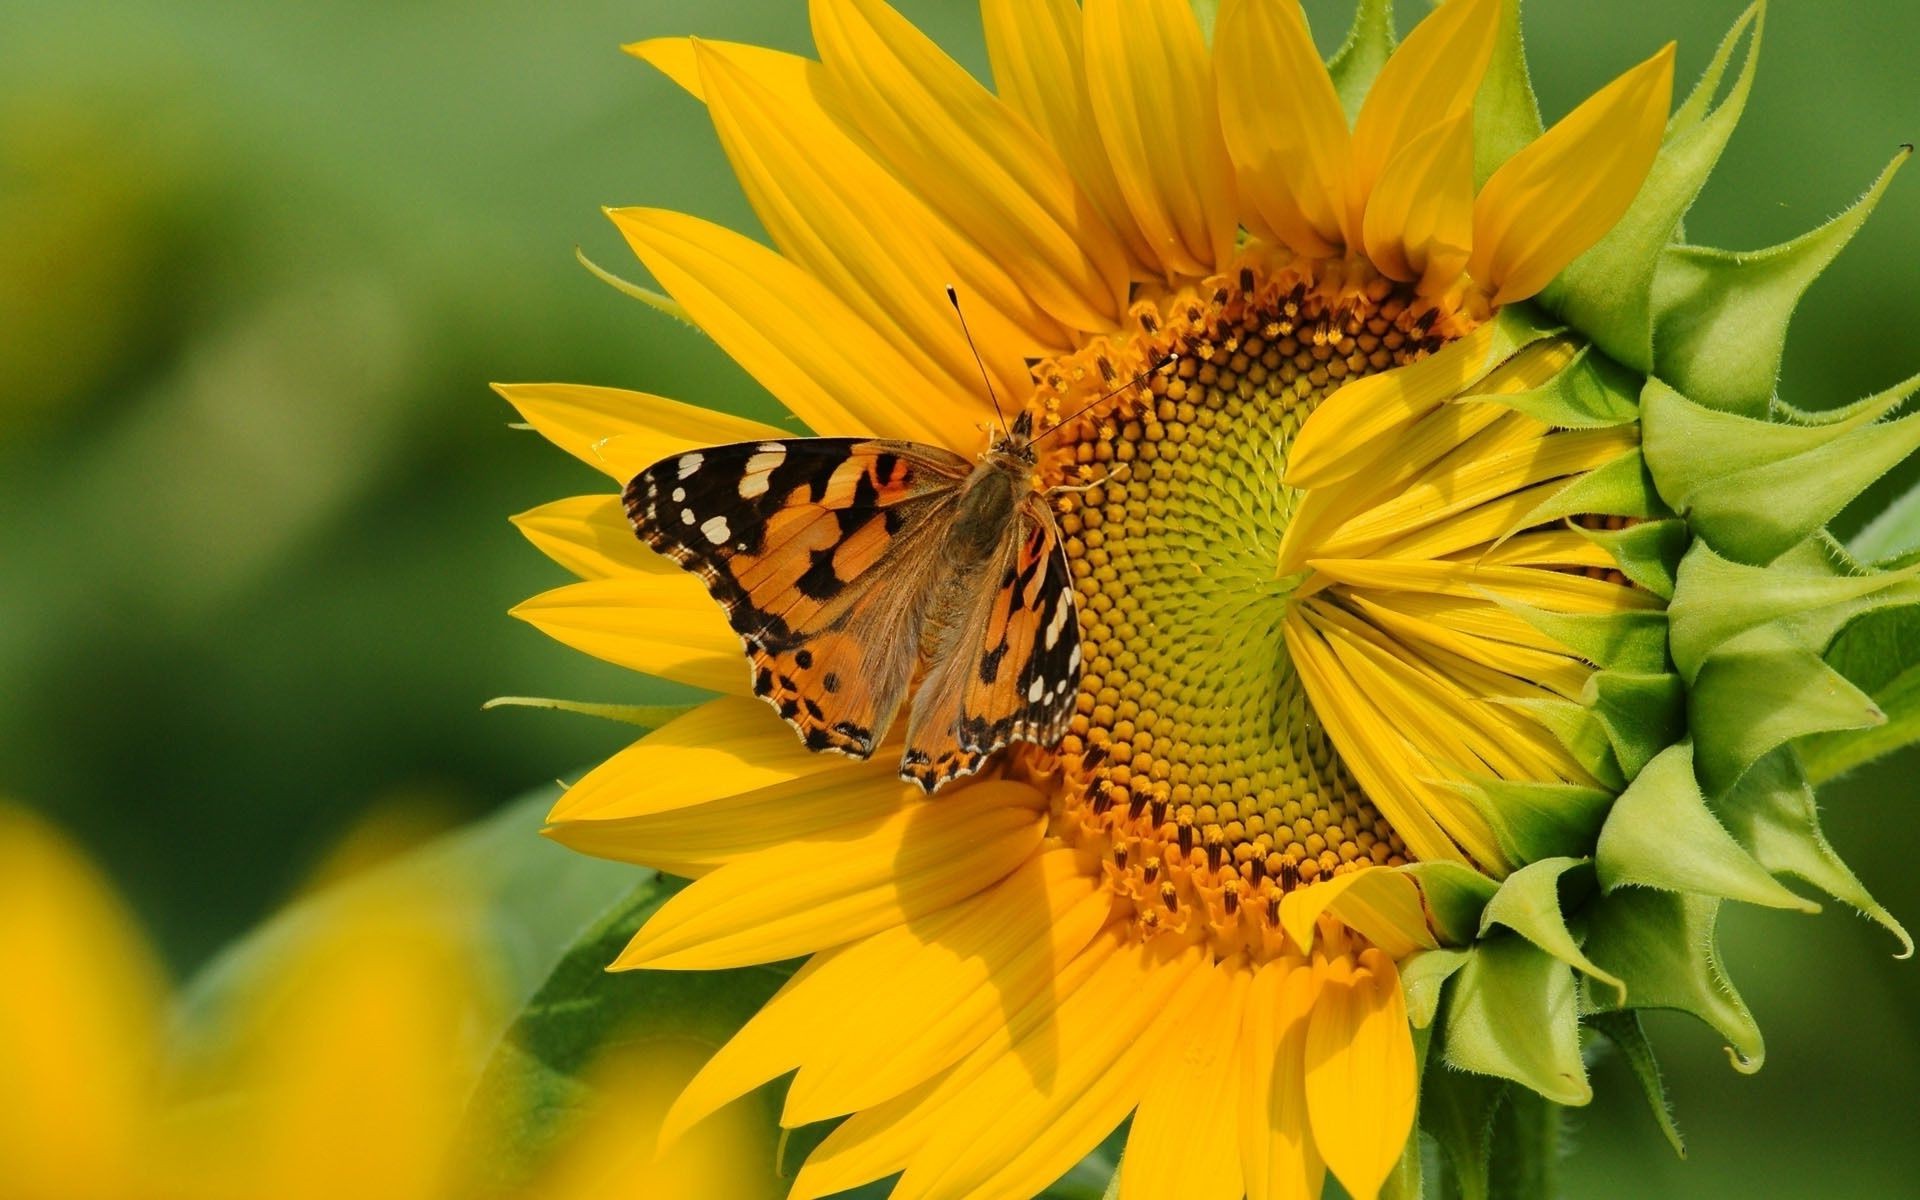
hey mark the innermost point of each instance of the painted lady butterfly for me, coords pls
(850, 565)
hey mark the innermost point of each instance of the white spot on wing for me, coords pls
(689, 463)
(760, 469)
(1036, 689)
(679, 495)
(1059, 623)
(686, 516)
(716, 530)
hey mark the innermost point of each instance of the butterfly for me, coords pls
(850, 567)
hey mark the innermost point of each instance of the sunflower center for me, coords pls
(1196, 765)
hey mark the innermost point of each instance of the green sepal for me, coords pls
(1607, 293)
(1647, 552)
(1528, 903)
(646, 716)
(1721, 316)
(1423, 975)
(1623, 641)
(1356, 64)
(1762, 690)
(1880, 654)
(1575, 727)
(1592, 392)
(1624, 1031)
(1534, 820)
(1772, 813)
(1458, 1109)
(1661, 835)
(645, 295)
(1205, 13)
(1621, 488)
(1717, 601)
(1455, 894)
(1756, 488)
(1893, 536)
(1642, 714)
(1506, 116)
(1514, 1014)
(1662, 944)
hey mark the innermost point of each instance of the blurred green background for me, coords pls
(258, 263)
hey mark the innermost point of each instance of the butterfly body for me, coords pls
(860, 573)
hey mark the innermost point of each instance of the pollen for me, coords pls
(1195, 766)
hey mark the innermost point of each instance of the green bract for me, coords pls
(1782, 658)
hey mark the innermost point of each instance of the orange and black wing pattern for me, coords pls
(821, 552)
(1013, 668)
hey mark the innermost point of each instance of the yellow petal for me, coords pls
(850, 800)
(817, 357)
(1359, 424)
(621, 432)
(972, 159)
(384, 981)
(1553, 200)
(1430, 80)
(590, 536)
(813, 893)
(664, 625)
(1153, 100)
(1184, 1137)
(879, 1141)
(735, 746)
(937, 989)
(1360, 1074)
(1419, 223)
(838, 214)
(1006, 312)
(1039, 69)
(1382, 906)
(1283, 125)
(1553, 590)
(1276, 1147)
(1034, 1112)
(79, 1024)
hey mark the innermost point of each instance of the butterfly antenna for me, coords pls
(953, 298)
(1136, 381)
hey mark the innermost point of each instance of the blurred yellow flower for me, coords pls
(344, 1071)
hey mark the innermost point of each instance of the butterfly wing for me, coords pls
(821, 552)
(1012, 664)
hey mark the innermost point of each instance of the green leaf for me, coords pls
(1506, 117)
(1529, 903)
(533, 898)
(1607, 293)
(1760, 691)
(1643, 714)
(1528, 1143)
(1721, 316)
(1772, 813)
(1357, 63)
(1756, 488)
(1624, 1031)
(539, 1077)
(1661, 835)
(1647, 552)
(1662, 944)
(1514, 1015)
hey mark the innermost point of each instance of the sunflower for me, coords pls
(1445, 616)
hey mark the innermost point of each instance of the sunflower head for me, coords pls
(1450, 603)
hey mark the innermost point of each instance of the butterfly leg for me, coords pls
(1113, 476)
